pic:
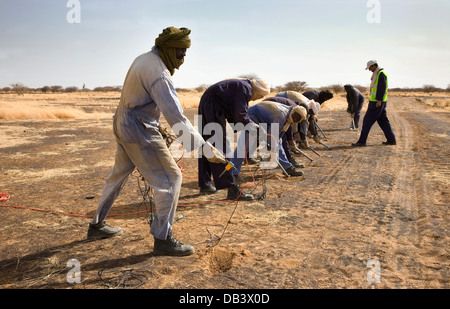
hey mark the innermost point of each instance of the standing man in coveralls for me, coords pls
(376, 111)
(148, 92)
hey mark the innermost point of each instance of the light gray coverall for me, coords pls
(147, 92)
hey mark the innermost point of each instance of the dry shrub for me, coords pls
(445, 104)
(336, 88)
(299, 86)
(190, 98)
(61, 105)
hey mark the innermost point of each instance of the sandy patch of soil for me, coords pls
(384, 203)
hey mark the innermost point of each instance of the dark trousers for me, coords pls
(211, 113)
(207, 169)
(378, 115)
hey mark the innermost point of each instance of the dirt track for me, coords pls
(384, 203)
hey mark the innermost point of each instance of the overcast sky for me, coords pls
(320, 42)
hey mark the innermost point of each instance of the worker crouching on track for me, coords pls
(355, 101)
(147, 92)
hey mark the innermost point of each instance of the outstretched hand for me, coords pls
(212, 154)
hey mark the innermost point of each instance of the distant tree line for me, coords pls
(299, 86)
(21, 89)
(338, 88)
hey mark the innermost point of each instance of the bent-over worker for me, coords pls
(355, 101)
(270, 113)
(225, 101)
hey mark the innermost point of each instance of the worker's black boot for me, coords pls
(208, 190)
(295, 163)
(102, 230)
(235, 193)
(293, 172)
(389, 143)
(171, 246)
(359, 144)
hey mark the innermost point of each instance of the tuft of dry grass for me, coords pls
(441, 103)
(96, 105)
(189, 98)
(40, 106)
(38, 113)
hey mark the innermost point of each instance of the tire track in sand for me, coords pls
(411, 259)
(383, 212)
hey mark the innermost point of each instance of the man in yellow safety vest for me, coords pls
(376, 111)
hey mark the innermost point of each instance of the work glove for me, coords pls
(212, 154)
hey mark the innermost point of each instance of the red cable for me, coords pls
(5, 197)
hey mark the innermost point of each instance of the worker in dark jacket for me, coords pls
(376, 111)
(355, 102)
(319, 96)
(225, 101)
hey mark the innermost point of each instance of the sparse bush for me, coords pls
(429, 88)
(249, 76)
(18, 88)
(107, 88)
(71, 89)
(298, 86)
(277, 89)
(336, 88)
(56, 88)
(45, 89)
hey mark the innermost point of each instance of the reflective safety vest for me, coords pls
(373, 90)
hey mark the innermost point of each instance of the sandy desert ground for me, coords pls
(364, 218)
